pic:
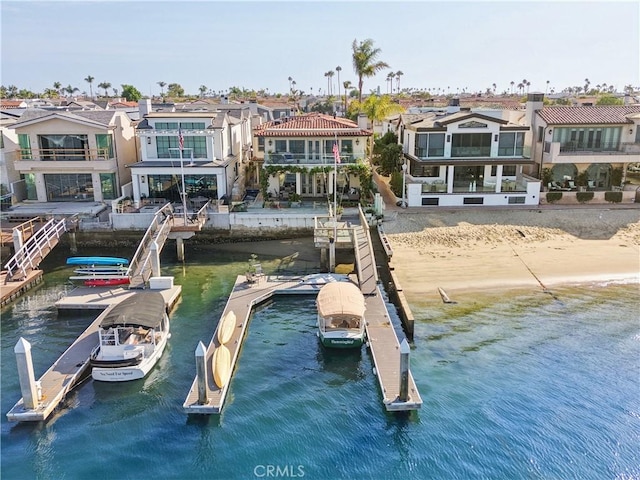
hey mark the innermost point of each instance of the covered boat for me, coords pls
(341, 322)
(132, 336)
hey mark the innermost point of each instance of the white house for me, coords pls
(215, 144)
(465, 157)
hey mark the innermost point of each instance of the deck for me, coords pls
(73, 365)
(243, 298)
(9, 291)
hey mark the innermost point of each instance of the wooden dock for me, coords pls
(99, 298)
(72, 366)
(243, 298)
(11, 290)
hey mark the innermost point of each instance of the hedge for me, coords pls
(613, 197)
(584, 197)
(553, 197)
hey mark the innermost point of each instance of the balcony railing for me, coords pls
(596, 147)
(63, 155)
(470, 151)
(305, 159)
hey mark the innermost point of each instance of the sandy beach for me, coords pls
(494, 250)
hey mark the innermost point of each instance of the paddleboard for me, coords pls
(226, 327)
(97, 277)
(105, 270)
(106, 282)
(97, 261)
(221, 363)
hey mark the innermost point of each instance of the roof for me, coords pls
(5, 104)
(101, 117)
(340, 298)
(145, 309)
(310, 124)
(595, 115)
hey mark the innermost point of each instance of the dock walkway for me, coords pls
(243, 298)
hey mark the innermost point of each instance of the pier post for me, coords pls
(17, 240)
(155, 260)
(25, 374)
(404, 370)
(73, 244)
(332, 254)
(201, 373)
(180, 247)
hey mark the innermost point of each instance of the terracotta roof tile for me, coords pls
(311, 124)
(587, 115)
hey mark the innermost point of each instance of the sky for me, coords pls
(449, 45)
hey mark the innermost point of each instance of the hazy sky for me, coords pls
(260, 44)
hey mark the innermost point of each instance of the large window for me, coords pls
(429, 145)
(199, 146)
(166, 125)
(63, 147)
(296, 146)
(25, 146)
(281, 146)
(170, 186)
(192, 125)
(511, 144)
(471, 145)
(105, 145)
(108, 185)
(164, 144)
(69, 187)
(587, 138)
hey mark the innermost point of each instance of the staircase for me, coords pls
(141, 267)
(29, 256)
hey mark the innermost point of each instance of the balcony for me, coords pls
(556, 152)
(306, 159)
(63, 155)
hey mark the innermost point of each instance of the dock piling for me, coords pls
(404, 370)
(201, 373)
(27, 379)
(155, 259)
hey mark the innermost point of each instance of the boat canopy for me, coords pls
(144, 309)
(340, 298)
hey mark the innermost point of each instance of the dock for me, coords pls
(243, 298)
(9, 291)
(73, 365)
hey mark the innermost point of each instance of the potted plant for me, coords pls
(294, 200)
(251, 268)
(582, 180)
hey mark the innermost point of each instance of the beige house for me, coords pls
(79, 156)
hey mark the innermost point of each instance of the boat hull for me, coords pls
(133, 372)
(342, 341)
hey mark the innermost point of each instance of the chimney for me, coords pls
(363, 121)
(224, 100)
(453, 106)
(144, 106)
(535, 101)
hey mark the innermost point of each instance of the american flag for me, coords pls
(336, 152)
(180, 139)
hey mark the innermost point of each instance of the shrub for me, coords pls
(553, 197)
(584, 197)
(613, 197)
(395, 183)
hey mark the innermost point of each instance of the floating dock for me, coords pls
(72, 367)
(11, 290)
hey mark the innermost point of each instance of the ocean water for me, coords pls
(525, 385)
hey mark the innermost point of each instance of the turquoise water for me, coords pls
(524, 386)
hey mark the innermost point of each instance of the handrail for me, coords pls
(63, 154)
(31, 252)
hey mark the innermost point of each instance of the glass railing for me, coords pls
(470, 151)
(63, 155)
(582, 147)
(305, 159)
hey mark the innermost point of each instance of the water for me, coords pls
(518, 386)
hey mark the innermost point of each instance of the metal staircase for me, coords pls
(141, 267)
(29, 256)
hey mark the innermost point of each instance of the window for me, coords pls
(192, 125)
(166, 125)
(69, 187)
(296, 146)
(1, 140)
(429, 145)
(508, 170)
(513, 200)
(471, 145)
(199, 146)
(540, 134)
(281, 146)
(25, 146)
(575, 139)
(108, 185)
(261, 144)
(64, 147)
(347, 146)
(105, 146)
(472, 201)
(164, 144)
(510, 144)
(431, 201)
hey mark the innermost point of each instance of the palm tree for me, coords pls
(390, 77)
(58, 87)
(365, 62)
(71, 90)
(586, 85)
(162, 84)
(512, 84)
(105, 85)
(338, 70)
(290, 79)
(546, 88)
(399, 73)
(520, 87)
(203, 89)
(90, 80)
(346, 84)
(494, 88)
(115, 92)
(528, 85)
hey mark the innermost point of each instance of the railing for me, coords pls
(306, 159)
(63, 154)
(596, 147)
(28, 257)
(470, 151)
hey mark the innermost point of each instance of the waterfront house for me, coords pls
(601, 141)
(462, 157)
(215, 145)
(77, 156)
(9, 178)
(297, 156)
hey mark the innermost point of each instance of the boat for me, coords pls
(341, 322)
(97, 261)
(226, 327)
(221, 364)
(106, 282)
(132, 336)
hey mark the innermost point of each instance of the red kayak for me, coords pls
(106, 282)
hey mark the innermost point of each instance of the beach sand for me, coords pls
(494, 250)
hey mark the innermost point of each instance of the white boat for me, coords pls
(133, 334)
(341, 322)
